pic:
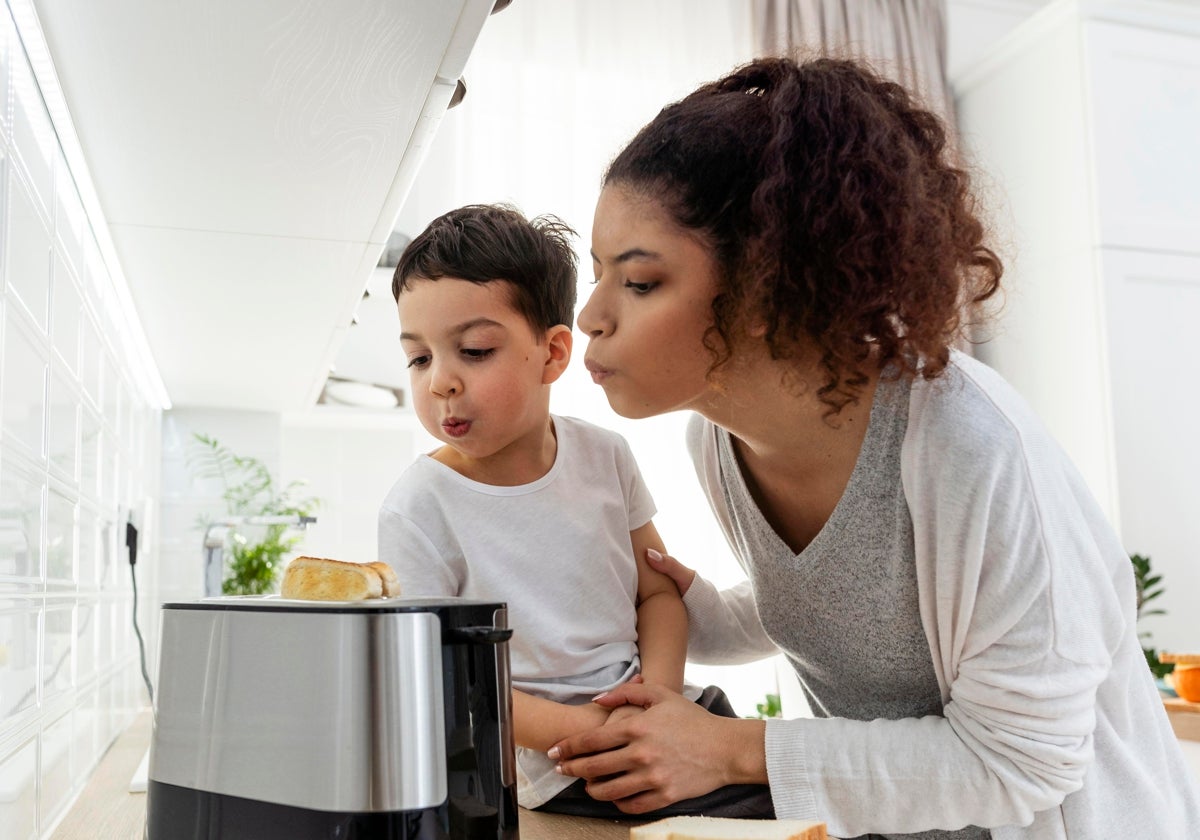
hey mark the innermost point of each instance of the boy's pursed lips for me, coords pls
(456, 426)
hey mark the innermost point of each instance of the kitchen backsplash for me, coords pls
(79, 456)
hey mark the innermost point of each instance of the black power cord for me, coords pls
(131, 542)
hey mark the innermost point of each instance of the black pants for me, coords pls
(745, 801)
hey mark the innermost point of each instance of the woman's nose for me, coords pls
(593, 319)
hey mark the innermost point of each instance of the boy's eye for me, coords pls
(477, 353)
(418, 362)
(640, 288)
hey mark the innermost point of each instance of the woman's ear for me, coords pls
(558, 352)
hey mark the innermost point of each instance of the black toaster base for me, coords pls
(179, 813)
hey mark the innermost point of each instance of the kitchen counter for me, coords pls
(106, 810)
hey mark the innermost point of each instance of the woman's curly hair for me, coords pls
(834, 215)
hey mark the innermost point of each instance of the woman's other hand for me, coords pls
(672, 568)
(673, 750)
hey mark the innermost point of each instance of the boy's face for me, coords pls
(479, 372)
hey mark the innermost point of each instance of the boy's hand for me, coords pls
(623, 713)
(591, 716)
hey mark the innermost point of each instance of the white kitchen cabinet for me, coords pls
(1084, 124)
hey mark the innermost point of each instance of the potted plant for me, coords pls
(250, 493)
(1149, 587)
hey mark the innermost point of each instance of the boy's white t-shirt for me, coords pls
(557, 551)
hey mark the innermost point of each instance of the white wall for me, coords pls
(1084, 120)
(350, 459)
(188, 500)
(79, 448)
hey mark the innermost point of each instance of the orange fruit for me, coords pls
(1185, 679)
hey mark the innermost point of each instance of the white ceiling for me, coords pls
(250, 159)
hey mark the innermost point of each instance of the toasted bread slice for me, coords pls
(391, 582)
(704, 828)
(1179, 658)
(322, 579)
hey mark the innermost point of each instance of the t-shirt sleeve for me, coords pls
(638, 502)
(422, 569)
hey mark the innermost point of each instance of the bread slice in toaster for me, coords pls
(703, 828)
(323, 579)
(391, 581)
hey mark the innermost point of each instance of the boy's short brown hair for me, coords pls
(483, 243)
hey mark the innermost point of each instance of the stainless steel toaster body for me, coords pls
(319, 709)
(319, 717)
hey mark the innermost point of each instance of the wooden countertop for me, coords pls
(1184, 717)
(106, 810)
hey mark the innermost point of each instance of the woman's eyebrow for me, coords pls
(631, 254)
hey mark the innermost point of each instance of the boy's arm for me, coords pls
(539, 724)
(661, 617)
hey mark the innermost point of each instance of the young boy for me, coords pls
(548, 514)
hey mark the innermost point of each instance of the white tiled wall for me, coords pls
(79, 449)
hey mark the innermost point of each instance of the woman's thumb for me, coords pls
(672, 568)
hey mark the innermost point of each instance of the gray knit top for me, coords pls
(844, 610)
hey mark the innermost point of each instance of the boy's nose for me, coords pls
(444, 382)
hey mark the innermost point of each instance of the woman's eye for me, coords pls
(478, 354)
(640, 288)
(418, 362)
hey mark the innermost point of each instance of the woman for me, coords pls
(787, 253)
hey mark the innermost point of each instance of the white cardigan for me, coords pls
(1052, 728)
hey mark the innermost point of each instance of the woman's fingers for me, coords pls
(633, 694)
(672, 568)
(629, 789)
(594, 742)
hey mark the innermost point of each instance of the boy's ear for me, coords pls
(558, 352)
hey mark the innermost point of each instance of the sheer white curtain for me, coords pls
(554, 90)
(904, 40)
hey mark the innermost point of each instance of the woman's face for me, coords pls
(646, 318)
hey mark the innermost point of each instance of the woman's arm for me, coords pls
(661, 618)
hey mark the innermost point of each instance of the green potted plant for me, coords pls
(769, 708)
(250, 493)
(1149, 587)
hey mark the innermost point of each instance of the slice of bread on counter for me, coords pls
(704, 828)
(323, 579)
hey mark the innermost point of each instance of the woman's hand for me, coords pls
(673, 750)
(672, 568)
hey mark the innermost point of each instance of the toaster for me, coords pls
(308, 720)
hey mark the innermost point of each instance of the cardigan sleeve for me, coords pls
(1022, 617)
(723, 626)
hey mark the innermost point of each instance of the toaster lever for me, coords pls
(484, 635)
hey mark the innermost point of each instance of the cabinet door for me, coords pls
(1144, 94)
(1153, 306)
